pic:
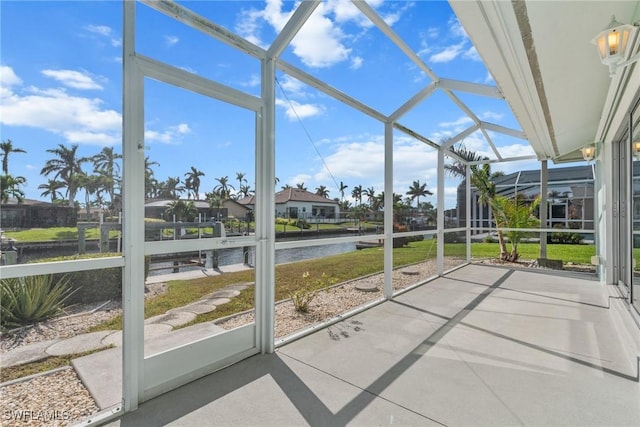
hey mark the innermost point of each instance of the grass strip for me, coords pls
(15, 372)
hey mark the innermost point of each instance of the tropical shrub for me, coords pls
(303, 296)
(31, 299)
(300, 223)
(515, 213)
(564, 237)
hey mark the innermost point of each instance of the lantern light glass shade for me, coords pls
(636, 149)
(588, 153)
(612, 43)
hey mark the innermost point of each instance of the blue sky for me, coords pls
(61, 72)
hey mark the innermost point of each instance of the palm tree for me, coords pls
(356, 193)
(322, 191)
(345, 205)
(215, 202)
(244, 190)
(171, 188)
(286, 187)
(418, 190)
(150, 182)
(7, 148)
(105, 163)
(240, 177)
(91, 185)
(341, 189)
(192, 182)
(371, 195)
(183, 211)
(66, 167)
(10, 187)
(378, 202)
(223, 188)
(300, 186)
(458, 168)
(516, 213)
(482, 180)
(51, 189)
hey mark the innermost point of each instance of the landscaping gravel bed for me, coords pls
(56, 399)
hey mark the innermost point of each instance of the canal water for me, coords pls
(225, 256)
(236, 256)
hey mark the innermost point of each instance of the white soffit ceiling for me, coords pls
(541, 56)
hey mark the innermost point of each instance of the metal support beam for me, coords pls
(332, 92)
(440, 213)
(181, 78)
(388, 210)
(506, 159)
(475, 88)
(504, 130)
(291, 28)
(544, 177)
(462, 135)
(491, 144)
(468, 210)
(265, 213)
(415, 100)
(415, 135)
(387, 31)
(133, 220)
(193, 20)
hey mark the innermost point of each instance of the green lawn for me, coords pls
(340, 268)
(54, 234)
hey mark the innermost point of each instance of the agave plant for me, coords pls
(32, 299)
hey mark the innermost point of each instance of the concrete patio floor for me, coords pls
(481, 346)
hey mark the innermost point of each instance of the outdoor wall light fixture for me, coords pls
(635, 146)
(588, 152)
(612, 43)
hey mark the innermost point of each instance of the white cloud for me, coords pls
(295, 110)
(432, 32)
(73, 79)
(292, 86)
(455, 28)
(170, 41)
(356, 62)
(361, 162)
(305, 44)
(472, 54)
(8, 78)
(489, 78)
(54, 110)
(323, 25)
(171, 135)
(88, 137)
(490, 115)
(516, 150)
(448, 53)
(248, 26)
(188, 69)
(253, 81)
(461, 123)
(344, 10)
(297, 179)
(104, 31)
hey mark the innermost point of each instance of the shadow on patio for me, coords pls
(479, 346)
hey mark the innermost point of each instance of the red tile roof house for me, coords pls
(294, 203)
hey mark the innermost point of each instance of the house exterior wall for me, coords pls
(310, 211)
(236, 210)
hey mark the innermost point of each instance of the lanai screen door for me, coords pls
(155, 363)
